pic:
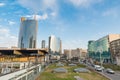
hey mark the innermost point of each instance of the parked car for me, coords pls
(95, 66)
(108, 70)
(98, 68)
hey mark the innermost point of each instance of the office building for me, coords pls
(115, 51)
(67, 53)
(28, 33)
(78, 53)
(43, 44)
(60, 47)
(99, 50)
(54, 45)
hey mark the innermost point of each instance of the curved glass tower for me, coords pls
(54, 45)
(28, 33)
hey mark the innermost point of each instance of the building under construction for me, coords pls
(22, 64)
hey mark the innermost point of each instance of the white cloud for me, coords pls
(39, 5)
(83, 3)
(111, 12)
(43, 17)
(4, 32)
(38, 17)
(45, 7)
(53, 14)
(2, 4)
(6, 39)
(11, 22)
(52, 4)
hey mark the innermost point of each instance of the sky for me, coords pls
(75, 22)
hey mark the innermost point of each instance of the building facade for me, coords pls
(54, 45)
(67, 53)
(115, 51)
(28, 33)
(43, 44)
(78, 53)
(99, 50)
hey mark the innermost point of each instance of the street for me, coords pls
(115, 76)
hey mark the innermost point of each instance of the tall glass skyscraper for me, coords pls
(43, 44)
(54, 45)
(28, 33)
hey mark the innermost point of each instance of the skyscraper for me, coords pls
(54, 45)
(60, 47)
(43, 44)
(28, 33)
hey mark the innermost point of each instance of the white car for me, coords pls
(108, 70)
(95, 66)
(98, 68)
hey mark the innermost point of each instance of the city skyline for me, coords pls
(74, 21)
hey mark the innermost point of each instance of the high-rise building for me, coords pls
(99, 50)
(54, 45)
(28, 33)
(115, 51)
(43, 44)
(60, 47)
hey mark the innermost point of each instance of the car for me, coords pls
(108, 70)
(98, 68)
(95, 66)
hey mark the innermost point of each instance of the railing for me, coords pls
(24, 73)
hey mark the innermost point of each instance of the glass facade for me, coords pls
(99, 48)
(54, 45)
(43, 44)
(27, 34)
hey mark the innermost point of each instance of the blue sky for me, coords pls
(74, 21)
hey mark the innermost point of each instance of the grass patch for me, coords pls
(47, 75)
(112, 66)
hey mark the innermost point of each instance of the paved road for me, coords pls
(115, 76)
